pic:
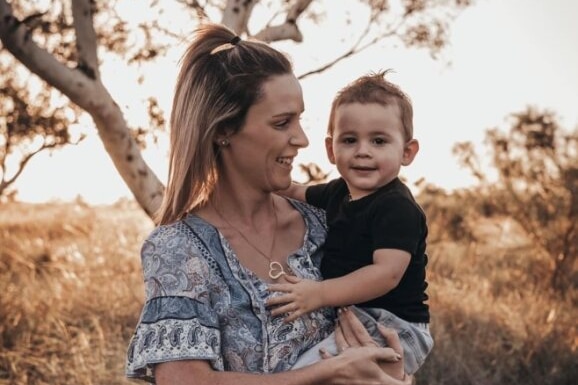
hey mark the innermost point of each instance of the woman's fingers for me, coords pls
(325, 354)
(340, 341)
(354, 332)
(387, 355)
(391, 337)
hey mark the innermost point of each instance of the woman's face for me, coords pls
(261, 154)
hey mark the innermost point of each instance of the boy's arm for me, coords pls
(302, 296)
(369, 282)
(295, 191)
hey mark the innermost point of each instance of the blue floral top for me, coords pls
(201, 303)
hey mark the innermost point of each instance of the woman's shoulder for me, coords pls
(311, 214)
(180, 235)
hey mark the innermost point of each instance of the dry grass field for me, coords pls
(71, 292)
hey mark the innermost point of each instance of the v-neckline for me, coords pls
(232, 258)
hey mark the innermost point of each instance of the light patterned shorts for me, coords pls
(415, 338)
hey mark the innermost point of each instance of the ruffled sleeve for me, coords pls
(177, 321)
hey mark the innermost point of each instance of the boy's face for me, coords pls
(368, 146)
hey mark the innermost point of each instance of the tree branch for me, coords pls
(287, 30)
(86, 44)
(4, 183)
(14, 36)
(356, 48)
(237, 13)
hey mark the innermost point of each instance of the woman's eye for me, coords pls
(282, 124)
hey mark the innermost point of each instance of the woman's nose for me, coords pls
(299, 138)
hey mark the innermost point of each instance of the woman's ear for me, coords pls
(223, 139)
(410, 150)
(329, 149)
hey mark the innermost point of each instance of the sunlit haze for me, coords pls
(503, 55)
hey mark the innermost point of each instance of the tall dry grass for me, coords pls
(494, 317)
(71, 292)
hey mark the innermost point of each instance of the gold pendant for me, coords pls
(276, 270)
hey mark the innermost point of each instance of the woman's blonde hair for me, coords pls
(220, 78)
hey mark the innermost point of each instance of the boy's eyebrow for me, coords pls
(373, 133)
(378, 132)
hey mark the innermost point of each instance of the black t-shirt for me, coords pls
(389, 218)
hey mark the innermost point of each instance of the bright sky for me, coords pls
(503, 56)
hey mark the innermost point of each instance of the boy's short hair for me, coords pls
(374, 88)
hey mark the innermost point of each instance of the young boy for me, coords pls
(375, 249)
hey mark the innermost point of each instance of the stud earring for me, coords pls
(224, 142)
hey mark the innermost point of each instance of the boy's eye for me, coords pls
(348, 140)
(379, 141)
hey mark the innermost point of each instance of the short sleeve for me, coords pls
(320, 194)
(398, 224)
(177, 321)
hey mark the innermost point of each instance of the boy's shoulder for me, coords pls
(398, 197)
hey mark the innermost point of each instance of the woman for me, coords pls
(223, 235)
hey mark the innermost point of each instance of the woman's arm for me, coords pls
(358, 365)
(199, 372)
(361, 362)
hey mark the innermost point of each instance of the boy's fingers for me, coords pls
(287, 308)
(292, 279)
(279, 300)
(292, 316)
(282, 287)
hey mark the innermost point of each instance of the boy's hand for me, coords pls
(301, 297)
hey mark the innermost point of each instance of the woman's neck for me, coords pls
(242, 206)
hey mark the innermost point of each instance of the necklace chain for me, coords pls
(275, 268)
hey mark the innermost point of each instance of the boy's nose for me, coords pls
(362, 150)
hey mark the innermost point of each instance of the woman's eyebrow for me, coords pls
(287, 113)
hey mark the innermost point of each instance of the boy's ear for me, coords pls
(410, 150)
(329, 149)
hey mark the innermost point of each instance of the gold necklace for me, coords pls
(275, 268)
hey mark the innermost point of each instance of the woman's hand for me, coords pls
(352, 339)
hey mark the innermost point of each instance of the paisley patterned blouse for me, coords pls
(201, 303)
